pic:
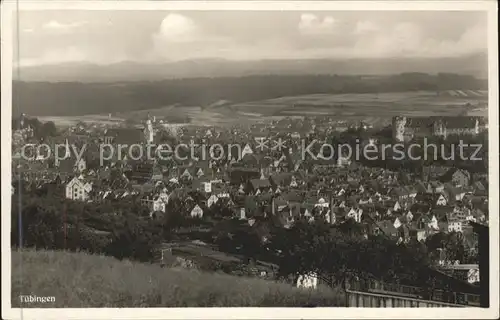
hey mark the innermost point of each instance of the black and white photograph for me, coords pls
(323, 158)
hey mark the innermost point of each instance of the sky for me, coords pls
(105, 37)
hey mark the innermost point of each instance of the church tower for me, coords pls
(398, 128)
(439, 128)
(149, 133)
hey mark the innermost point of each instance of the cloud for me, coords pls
(410, 40)
(55, 56)
(185, 35)
(405, 40)
(58, 26)
(364, 27)
(179, 37)
(72, 54)
(177, 28)
(310, 24)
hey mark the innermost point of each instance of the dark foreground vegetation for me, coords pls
(123, 231)
(80, 280)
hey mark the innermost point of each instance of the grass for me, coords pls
(79, 280)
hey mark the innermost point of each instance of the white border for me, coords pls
(249, 313)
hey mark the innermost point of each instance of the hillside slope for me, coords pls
(79, 280)
(71, 99)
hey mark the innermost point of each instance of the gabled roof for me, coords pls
(281, 179)
(387, 227)
(448, 176)
(126, 135)
(292, 196)
(478, 185)
(260, 183)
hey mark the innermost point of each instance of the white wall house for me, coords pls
(197, 212)
(212, 200)
(307, 281)
(159, 205)
(77, 189)
(81, 165)
(433, 223)
(441, 201)
(455, 225)
(473, 275)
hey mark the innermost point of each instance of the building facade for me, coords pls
(406, 128)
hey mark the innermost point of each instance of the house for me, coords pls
(433, 223)
(309, 281)
(156, 202)
(259, 185)
(141, 172)
(393, 206)
(385, 227)
(282, 180)
(242, 213)
(78, 189)
(70, 165)
(440, 200)
(454, 225)
(417, 233)
(243, 175)
(185, 174)
(292, 197)
(465, 272)
(124, 136)
(423, 188)
(409, 216)
(457, 177)
(355, 214)
(212, 200)
(403, 194)
(221, 193)
(322, 203)
(196, 212)
(455, 193)
(437, 187)
(397, 223)
(478, 186)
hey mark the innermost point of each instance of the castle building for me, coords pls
(406, 128)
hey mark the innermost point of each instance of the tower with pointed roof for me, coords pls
(149, 131)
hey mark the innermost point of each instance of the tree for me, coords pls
(452, 243)
(335, 255)
(48, 129)
(136, 240)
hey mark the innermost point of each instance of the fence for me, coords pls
(372, 300)
(395, 294)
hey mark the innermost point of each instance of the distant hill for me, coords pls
(76, 98)
(475, 65)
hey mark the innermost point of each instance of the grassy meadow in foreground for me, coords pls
(80, 280)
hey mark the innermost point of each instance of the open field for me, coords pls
(342, 106)
(364, 106)
(64, 121)
(78, 280)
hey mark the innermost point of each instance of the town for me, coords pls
(246, 210)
